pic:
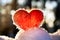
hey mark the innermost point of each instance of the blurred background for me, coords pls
(50, 8)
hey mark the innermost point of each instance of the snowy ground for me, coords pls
(54, 36)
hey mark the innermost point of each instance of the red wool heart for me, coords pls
(27, 20)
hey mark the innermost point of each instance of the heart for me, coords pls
(27, 20)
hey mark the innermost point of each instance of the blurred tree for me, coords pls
(14, 4)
